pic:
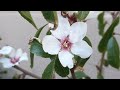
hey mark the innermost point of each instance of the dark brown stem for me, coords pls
(73, 73)
(26, 72)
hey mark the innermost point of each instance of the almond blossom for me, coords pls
(67, 41)
(11, 57)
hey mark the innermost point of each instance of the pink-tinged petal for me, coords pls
(81, 49)
(6, 50)
(65, 58)
(23, 57)
(51, 45)
(6, 62)
(18, 53)
(63, 28)
(78, 31)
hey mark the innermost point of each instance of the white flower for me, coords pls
(66, 41)
(14, 57)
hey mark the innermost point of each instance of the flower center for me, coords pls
(66, 44)
(14, 60)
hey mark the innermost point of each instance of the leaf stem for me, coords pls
(26, 72)
(101, 64)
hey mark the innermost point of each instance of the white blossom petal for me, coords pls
(6, 50)
(18, 53)
(12, 53)
(93, 15)
(23, 57)
(63, 22)
(50, 25)
(65, 58)
(51, 45)
(81, 49)
(78, 31)
(6, 62)
(63, 28)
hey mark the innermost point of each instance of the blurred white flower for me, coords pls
(66, 41)
(11, 57)
(6, 50)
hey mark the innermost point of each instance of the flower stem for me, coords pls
(73, 73)
(26, 72)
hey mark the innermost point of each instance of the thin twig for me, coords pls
(22, 76)
(116, 34)
(26, 72)
(115, 15)
(68, 77)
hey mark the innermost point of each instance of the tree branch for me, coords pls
(26, 72)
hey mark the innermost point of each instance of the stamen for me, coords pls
(14, 60)
(66, 44)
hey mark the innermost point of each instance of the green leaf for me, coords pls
(36, 48)
(81, 62)
(39, 31)
(113, 53)
(31, 54)
(82, 15)
(48, 32)
(49, 16)
(87, 40)
(81, 75)
(101, 23)
(48, 72)
(60, 70)
(109, 33)
(26, 15)
(100, 76)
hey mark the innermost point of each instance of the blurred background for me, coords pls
(16, 32)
